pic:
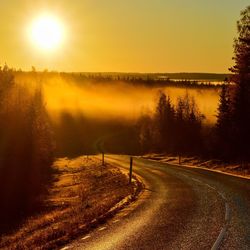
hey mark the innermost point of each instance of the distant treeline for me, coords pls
(150, 80)
(200, 80)
(212, 77)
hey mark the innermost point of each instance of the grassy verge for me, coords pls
(214, 164)
(84, 194)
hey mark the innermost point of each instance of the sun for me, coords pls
(46, 32)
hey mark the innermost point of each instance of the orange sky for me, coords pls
(124, 36)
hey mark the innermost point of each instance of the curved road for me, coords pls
(180, 208)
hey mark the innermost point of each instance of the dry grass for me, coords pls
(233, 168)
(82, 194)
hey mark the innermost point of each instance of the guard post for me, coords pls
(102, 158)
(130, 169)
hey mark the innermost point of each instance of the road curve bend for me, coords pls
(180, 208)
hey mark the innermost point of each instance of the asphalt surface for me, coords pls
(180, 208)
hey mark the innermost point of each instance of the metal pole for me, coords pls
(102, 158)
(130, 169)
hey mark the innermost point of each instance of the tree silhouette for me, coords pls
(164, 122)
(187, 126)
(241, 78)
(173, 129)
(145, 130)
(223, 124)
(26, 148)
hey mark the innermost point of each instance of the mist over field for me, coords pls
(115, 100)
(91, 114)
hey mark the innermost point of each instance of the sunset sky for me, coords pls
(123, 35)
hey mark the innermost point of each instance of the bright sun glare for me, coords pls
(46, 32)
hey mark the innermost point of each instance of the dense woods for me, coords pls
(234, 108)
(179, 129)
(26, 150)
(171, 128)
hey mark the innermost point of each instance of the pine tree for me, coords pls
(241, 77)
(223, 116)
(145, 133)
(187, 126)
(165, 122)
(223, 124)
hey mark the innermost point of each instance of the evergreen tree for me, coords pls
(164, 122)
(223, 124)
(26, 147)
(223, 116)
(145, 133)
(188, 126)
(241, 77)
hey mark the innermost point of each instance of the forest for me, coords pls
(179, 129)
(27, 147)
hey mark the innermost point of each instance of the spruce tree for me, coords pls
(165, 122)
(241, 78)
(223, 124)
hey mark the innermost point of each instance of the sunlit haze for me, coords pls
(121, 36)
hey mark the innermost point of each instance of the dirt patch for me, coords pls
(84, 194)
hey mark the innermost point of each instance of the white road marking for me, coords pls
(86, 237)
(227, 212)
(64, 248)
(217, 243)
(210, 187)
(220, 237)
(222, 195)
(102, 228)
(194, 179)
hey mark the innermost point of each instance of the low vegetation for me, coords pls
(81, 197)
(193, 161)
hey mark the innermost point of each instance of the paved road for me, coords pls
(180, 208)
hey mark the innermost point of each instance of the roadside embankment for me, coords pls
(84, 194)
(234, 168)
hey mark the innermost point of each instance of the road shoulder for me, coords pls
(83, 196)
